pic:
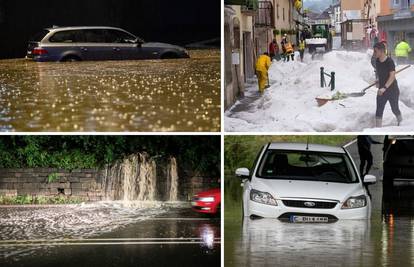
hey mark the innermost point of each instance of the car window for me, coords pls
(39, 36)
(94, 36)
(115, 36)
(74, 36)
(307, 165)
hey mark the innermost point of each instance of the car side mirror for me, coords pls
(243, 173)
(370, 179)
(138, 42)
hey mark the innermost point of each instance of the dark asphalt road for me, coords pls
(176, 238)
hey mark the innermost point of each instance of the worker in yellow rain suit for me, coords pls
(262, 66)
(401, 52)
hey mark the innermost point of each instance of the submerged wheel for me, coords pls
(71, 59)
(169, 55)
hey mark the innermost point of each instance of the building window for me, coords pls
(283, 14)
(290, 11)
(236, 32)
(277, 11)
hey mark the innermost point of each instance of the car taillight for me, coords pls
(39, 51)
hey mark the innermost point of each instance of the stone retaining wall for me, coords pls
(82, 184)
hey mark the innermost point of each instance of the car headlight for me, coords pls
(206, 199)
(355, 202)
(262, 197)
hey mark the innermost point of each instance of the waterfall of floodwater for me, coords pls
(132, 179)
(172, 179)
(135, 179)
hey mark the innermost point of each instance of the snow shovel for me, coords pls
(363, 92)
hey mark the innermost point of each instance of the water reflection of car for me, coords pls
(269, 242)
(398, 160)
(305, 183)
(207, 202)
(96, 43)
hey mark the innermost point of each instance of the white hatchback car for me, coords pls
(305, 183)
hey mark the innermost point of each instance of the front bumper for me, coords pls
(280, 211)
(204, 207)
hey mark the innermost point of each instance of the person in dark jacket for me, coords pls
(365, 156)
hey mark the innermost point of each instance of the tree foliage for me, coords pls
(201, 153)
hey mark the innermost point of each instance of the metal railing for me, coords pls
(252, 5)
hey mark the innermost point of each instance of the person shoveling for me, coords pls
(387, 84)
(262, 67)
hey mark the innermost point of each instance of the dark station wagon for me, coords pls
(96, 43)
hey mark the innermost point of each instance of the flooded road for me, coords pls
(150, 95)
(108, 234)
(385, 240)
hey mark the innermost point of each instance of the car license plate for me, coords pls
(308, 219)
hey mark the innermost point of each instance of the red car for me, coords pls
(207, 201)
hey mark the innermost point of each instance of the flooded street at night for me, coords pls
(108, 234)
(385, 240)
(155, 95)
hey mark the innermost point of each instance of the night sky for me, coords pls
(178, 22)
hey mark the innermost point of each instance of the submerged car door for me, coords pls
(97, 46)
(64, 43)
(129, 46)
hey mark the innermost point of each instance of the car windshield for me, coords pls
(39, 36)
(307, 165)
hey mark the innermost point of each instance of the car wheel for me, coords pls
(169, 55)
(71, 59)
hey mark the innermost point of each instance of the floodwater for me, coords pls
(149, 95)
(109, 234)
(385, 240)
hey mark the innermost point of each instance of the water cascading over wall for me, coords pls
(172, 180)
(135, 179)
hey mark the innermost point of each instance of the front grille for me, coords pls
(301, 204)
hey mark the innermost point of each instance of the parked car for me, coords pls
(96, 43)
(305, 183)
(207, 201)
(398, 160)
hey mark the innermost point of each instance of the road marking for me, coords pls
(101, 239)
(108, 243)
(179, 219)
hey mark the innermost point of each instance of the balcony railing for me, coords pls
(265, 15)
(251, 5)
